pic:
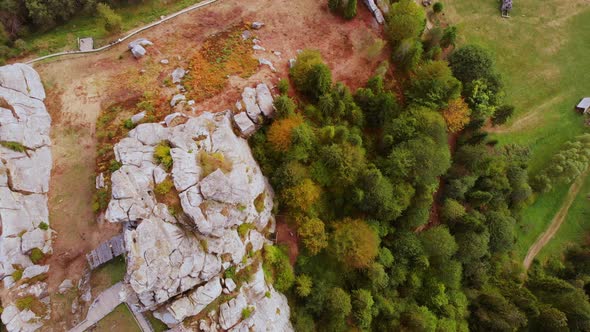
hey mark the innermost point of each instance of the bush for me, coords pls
(244, 228)
(449, 37)
(112, 22)
(277, 268)
(164, 187)
(17, 274)
(24, 302)
(230, 273)
(43, 225)
(162, 155)
(437, 7)
(210, 162)
(259, 202)
(247, 312)
(14, 146)
(100, 200)
(283, 86)
(114, 165)
(285, 106)
(128, 124)
(36, 255)
(502, 114)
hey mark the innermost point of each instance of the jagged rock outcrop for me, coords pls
(255, 106)
(175, 260)
(25, 167)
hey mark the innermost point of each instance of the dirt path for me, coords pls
(556, 222)
(74, 104)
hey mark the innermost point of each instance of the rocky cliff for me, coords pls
(178, 257)
(25, 167)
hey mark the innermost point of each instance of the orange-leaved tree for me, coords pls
(281, 130)
(456, 115)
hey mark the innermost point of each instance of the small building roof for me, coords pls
(584, 104)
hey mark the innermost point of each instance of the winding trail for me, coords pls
(131, 34)
(556, 222)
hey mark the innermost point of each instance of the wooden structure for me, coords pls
(106, 251)
(584, 105)
(506, 8)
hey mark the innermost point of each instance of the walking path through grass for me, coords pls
(556, 222)
(131, 34)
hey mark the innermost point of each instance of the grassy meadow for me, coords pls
(64, 37)
(542, 54)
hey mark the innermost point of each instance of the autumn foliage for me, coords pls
(456, 115)
(281, 132)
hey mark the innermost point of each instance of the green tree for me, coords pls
(449, 36)
(354, 243)
(112, 22)
(438, 243)
(350, 10)
(437, 7)
(339, 306)
(408, 54)
(303, 285)
(312, 234)
(310, 75)
(362, 307)
(502, 114)
(452, 210)
(471, 62)
(406, 20)
(434, 86)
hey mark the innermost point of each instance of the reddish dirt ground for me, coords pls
(288, 237)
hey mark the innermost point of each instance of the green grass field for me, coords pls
(120, 319)
(64, 37)
(541, 52)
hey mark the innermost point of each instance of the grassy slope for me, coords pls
(542, 55)
(120, 319)
(64, 37)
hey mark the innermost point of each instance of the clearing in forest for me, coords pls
(542, 55)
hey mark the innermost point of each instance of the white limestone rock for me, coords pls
(264, 100)
(252, 109)
(138, 51)
(244, 124)
(177, 75)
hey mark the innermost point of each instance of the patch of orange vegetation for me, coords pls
(222, 55)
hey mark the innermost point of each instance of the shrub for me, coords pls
(502, 114)
(101, 200)
(36, 255)
(247, 312)
(277, 268)
(112, 22)
(438, 7)
(259, 202)
(128, 124)
(285, 106)
(230, 272)
(162, 155)
(244, 228)
(14, 146)
(375, 48)
(304, 285)
(114, 165)
(449, 37)
(24, 302)
(17, 274)
(283, 86)
(210, 162)
(164, 187)
(280, 133)
(43, 225)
